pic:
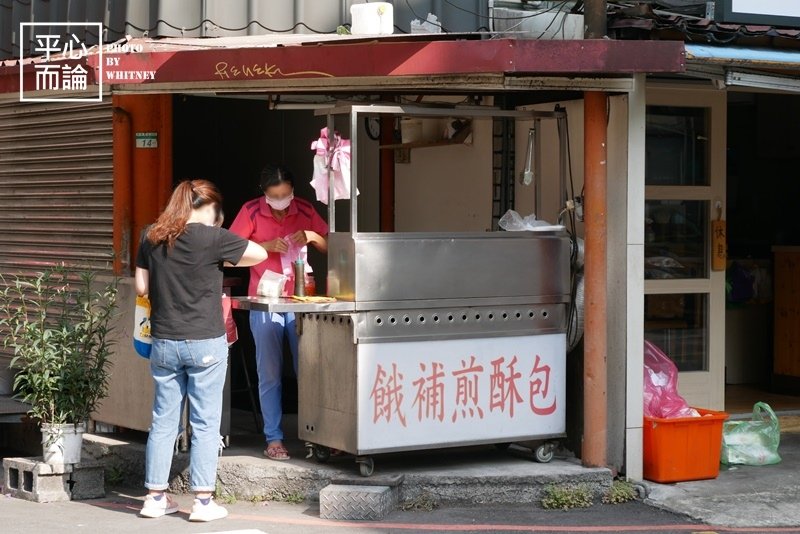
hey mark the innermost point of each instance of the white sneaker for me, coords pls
(208, 511)
(157, 507)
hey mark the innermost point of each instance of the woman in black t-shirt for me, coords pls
(179, 266)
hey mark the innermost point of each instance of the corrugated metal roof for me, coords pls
(743, 57)
(644, 22)
(218, 18)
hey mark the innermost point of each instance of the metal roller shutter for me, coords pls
(56, 190)
(56, 185)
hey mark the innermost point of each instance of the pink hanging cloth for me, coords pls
(335, 156)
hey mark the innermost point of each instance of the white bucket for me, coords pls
(61, 444)
(410, 130)
(374, 18)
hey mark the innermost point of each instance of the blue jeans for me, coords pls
(193, 368)
(268, 330)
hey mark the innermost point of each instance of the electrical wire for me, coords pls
(424, 19)
(492, 17)
(572, 316)
(548, 10)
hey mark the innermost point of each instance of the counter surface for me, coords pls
(283, 305)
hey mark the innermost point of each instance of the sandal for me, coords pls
(276, 452)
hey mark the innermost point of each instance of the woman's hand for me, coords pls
(278, 245)
(299, 238)
(319, 242)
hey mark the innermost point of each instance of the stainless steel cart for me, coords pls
(437, 339)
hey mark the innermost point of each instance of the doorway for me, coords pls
(228, 141)
(762, 356)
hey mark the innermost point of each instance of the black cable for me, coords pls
(479, 15)
(548, 10)
(573, 239)
(563, 19)
(182, 29)
(424, 19)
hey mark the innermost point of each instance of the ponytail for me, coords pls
(188, 195)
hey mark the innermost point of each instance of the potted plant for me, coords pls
(58, 324)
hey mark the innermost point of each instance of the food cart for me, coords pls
(435, 339)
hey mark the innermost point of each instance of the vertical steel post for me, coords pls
(595, 443)
(595, 345)
(387, 174)
(331, 186)
(594, 16)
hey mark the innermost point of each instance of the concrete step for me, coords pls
(469, 475)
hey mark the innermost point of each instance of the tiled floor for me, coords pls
(740, 399)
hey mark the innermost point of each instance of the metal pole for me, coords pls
(537, 167)
(354, 118)
(595, 442)
(562, 163)
(331, 185)
(387, 175)
(594, 14)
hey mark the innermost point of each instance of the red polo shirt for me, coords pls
(256, 223)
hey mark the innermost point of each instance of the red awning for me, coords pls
(243, 60)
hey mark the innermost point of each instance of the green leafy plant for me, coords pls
(295, 498)
(114, 475)
(223, 496)
(566, 496)
(620, 492)
(59, 324)
(424, 502)
(275, 495)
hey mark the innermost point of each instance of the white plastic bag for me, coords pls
(514, 222)
(271, 284)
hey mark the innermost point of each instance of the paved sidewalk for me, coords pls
(741, 496)
(117, 514)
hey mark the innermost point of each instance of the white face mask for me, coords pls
(280, 204)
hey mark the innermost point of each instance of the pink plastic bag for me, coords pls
(661, 398)
(337, 154)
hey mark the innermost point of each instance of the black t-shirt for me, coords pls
(186, 281)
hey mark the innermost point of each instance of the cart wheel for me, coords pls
(544, 453)
(322, 453)
(502, 446)
(366, 466)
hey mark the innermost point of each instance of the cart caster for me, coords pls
(322, 454)
(502, 446)
(544, 452)
(366, 466)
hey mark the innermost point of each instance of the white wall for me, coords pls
(619, 279)
(525, 198)
(447, 188)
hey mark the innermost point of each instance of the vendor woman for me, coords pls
(277, 221)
